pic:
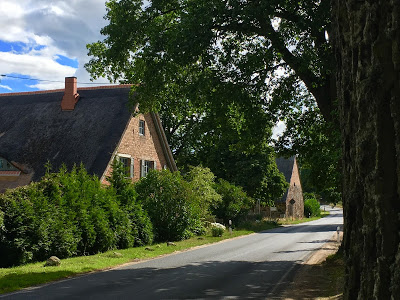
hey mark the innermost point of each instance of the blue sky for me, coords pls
(44, 41)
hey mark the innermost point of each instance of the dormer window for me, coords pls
(141, 127)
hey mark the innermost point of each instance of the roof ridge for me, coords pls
(117, 86)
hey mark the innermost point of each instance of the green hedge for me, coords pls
(67, 214)
(72, 213)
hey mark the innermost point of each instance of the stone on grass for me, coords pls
(148, 249)
(171, 244)
(116, 254)
(53, 261)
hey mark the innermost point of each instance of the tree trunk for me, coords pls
(367, 49)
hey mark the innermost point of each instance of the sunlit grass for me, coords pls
(299, 221)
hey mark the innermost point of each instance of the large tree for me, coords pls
(187, 61)
(277, 56)
(367, 50)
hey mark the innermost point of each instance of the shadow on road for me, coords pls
(233, 279)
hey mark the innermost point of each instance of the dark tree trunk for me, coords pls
(367, 50)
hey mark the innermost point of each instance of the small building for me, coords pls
(292, 203)
(77, 125)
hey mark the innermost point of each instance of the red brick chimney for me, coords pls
(71, 95)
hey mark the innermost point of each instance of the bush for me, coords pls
(202, 196)
(217, 229)
(235, 202)
(167, 199)
(140, 224)
(67, 214)
(311, 206)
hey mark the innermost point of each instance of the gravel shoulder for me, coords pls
(320, 277)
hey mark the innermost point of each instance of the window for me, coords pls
(127, 162)
(141, 127)
(146, 166)
(6, 166)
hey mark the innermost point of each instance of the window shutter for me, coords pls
(155, 165)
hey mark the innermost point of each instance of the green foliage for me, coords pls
(201, 184)
(311, 206)
(126, 196)
(320, 170)
(217, 231)
(167, 199)
(235, 202)
(186, 59)
(67, 214)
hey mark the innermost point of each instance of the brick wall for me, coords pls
(296, 193)
(147, 147)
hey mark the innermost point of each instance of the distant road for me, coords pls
(258, 266)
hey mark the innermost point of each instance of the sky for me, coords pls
(45, 41)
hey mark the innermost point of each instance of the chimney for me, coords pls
(71, 95)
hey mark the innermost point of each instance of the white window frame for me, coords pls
(144, 167)
(120, 155)
(142, 129)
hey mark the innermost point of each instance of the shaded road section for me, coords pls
(258, 266)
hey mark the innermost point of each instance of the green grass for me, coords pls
(12, 279)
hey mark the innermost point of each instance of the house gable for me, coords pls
(293, 198)
(141, 142)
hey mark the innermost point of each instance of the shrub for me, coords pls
(67, 214)
(202, 196)
(166, 198)
(217, 229)
(140, 224)
(235, 202)
(311, 206)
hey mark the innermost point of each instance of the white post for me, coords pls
(338, 233)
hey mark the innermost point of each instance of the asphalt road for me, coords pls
(258, 266)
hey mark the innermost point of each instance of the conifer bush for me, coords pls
(67, 214)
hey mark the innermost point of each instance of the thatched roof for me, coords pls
(34, 129)
(285, 166)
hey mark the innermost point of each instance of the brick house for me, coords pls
(292, 203)
(72, 126)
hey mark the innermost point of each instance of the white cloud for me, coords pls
(36, 66)
(63, 27)
(278, 130)
(5, 87)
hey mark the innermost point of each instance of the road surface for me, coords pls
(258, 266)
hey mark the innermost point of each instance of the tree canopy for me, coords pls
(204, 64)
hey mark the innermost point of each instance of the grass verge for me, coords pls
(304, 220)
(16, 278)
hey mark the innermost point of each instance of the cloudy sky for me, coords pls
(46, 40)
